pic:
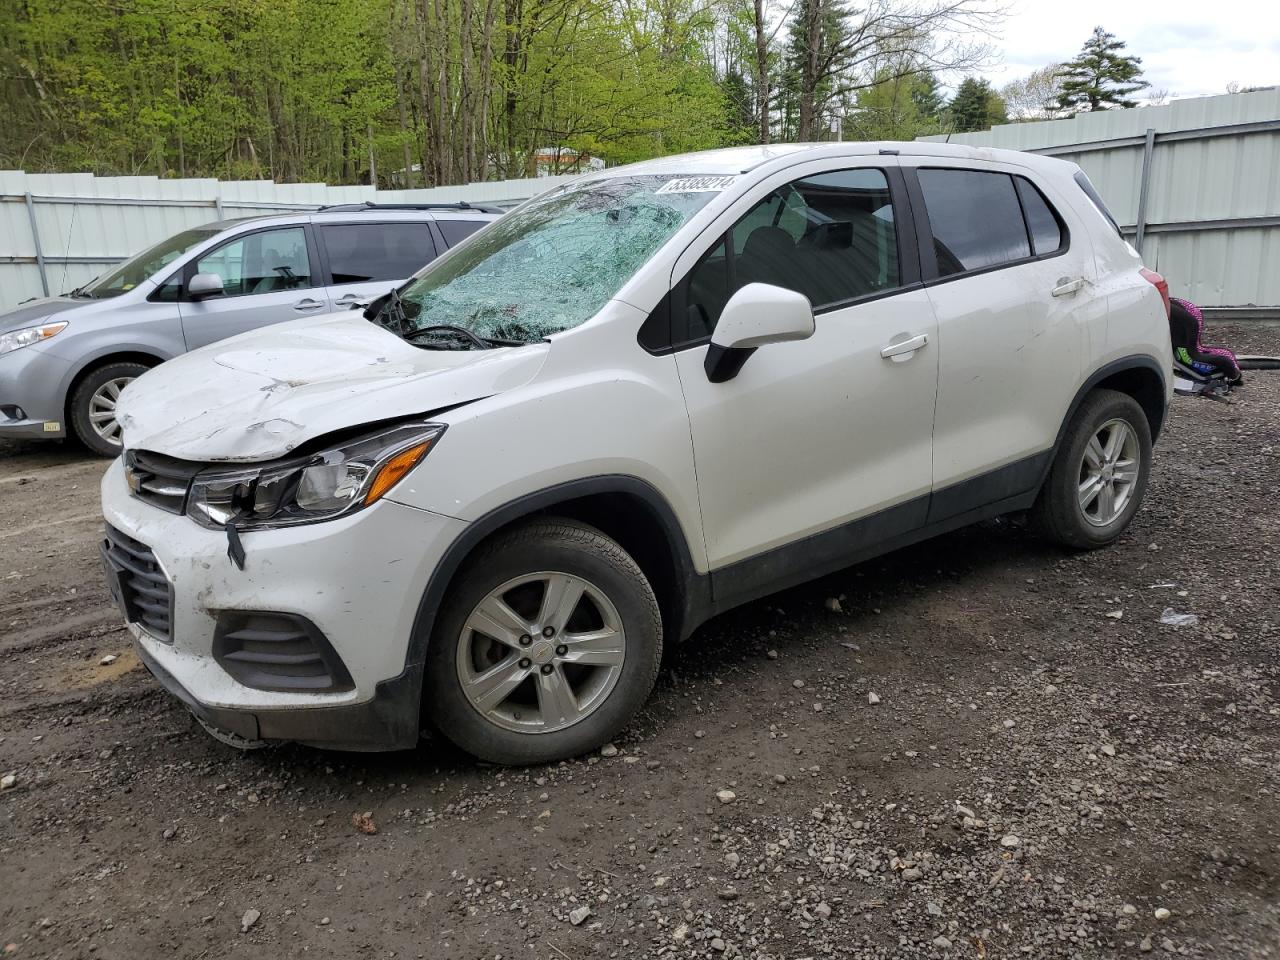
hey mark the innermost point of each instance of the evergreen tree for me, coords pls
(1101, 76)
(976, 106)
(927, 95)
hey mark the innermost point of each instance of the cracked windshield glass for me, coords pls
(553, 264)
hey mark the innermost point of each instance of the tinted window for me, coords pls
(975, 218)
(376, 251)
(1042, 222)
(139, 268)
(831, 237)
(455, 231)
(1092, 194)
(261, 262)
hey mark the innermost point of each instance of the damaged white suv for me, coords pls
(632, 403)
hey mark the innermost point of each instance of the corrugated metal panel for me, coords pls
(1200, 178)
(106, 231)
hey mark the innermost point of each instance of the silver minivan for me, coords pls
(64, 360)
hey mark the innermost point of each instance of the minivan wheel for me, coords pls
(93, 406)
(1099, 475)
(549, 643)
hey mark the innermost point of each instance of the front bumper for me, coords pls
(32, 394)
(359, 579)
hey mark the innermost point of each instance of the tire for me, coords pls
(89, 403)
(503, 699)
(1061, 513)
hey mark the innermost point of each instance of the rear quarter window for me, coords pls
(1093, 195)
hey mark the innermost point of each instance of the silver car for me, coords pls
(64, 360)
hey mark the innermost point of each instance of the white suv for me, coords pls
(630, 404)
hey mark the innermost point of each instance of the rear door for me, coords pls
(268, 276)
(1012, 288)
(364, 259)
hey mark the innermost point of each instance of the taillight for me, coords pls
(1160, 283)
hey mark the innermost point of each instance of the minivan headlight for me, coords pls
(17, 339)
(334, 482)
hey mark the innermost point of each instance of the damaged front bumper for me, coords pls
(309, 642)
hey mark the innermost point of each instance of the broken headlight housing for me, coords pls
(336, 481)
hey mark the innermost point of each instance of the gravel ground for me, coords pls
(977, 747)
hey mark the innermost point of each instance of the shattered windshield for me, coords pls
(552, 264)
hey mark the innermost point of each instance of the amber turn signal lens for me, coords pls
(389, 473)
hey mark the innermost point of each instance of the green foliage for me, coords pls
(1101, 76)
(413, 91)
(896, 107)
(976, 106)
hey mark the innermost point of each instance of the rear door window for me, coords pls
(831, 237)
(361, 252)
(975, 219)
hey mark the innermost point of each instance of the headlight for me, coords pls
(322, 486)
(17, 339)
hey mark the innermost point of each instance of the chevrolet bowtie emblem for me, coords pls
(133, 479)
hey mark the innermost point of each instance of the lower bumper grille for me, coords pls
(138, 584)
(278, 651)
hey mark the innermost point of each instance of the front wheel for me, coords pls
(1099, 475)
(549, 644)
(93, 406)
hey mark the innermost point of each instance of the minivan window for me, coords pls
(1042, 223)
(975, 219)
(455, 231)
(551, 264)
(261, 262)
(145, 264)
(831, 237)
(360, 252)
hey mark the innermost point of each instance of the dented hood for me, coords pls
(262, 394)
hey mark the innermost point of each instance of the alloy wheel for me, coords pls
(1109, 472)
(102, 409)
(541, 652)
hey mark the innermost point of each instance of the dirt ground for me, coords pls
(1048, 771)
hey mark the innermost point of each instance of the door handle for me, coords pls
(1067, 286)
(306, 303)
(903, 347)
(349, 298)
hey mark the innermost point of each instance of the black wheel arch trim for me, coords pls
(694, 601)
(1106, 371)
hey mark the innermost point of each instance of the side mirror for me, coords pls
(204, 285)
(758, 314)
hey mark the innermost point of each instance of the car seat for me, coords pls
(1186, 330)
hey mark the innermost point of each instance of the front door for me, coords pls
(817, 447)
(267, 277)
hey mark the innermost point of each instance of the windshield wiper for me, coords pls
(483, 343)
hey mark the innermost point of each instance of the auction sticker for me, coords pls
(697, 185)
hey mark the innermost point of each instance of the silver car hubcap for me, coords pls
(1109, 472)
(102, 409)
(541, 652)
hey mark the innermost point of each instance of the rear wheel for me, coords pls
(1100, 474)
(549, 644)
(93, 406)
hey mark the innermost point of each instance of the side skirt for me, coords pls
(1007, 489)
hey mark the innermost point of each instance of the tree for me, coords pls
(1035, 96)
(976, 106)
(897, 107)
(1101, 76)
(836, 49)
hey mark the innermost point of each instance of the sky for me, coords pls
(1188, 48)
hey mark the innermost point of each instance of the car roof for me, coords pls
(374, 214)
(738, 160)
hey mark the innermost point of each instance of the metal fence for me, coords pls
(1195, 185)
(60, 230)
